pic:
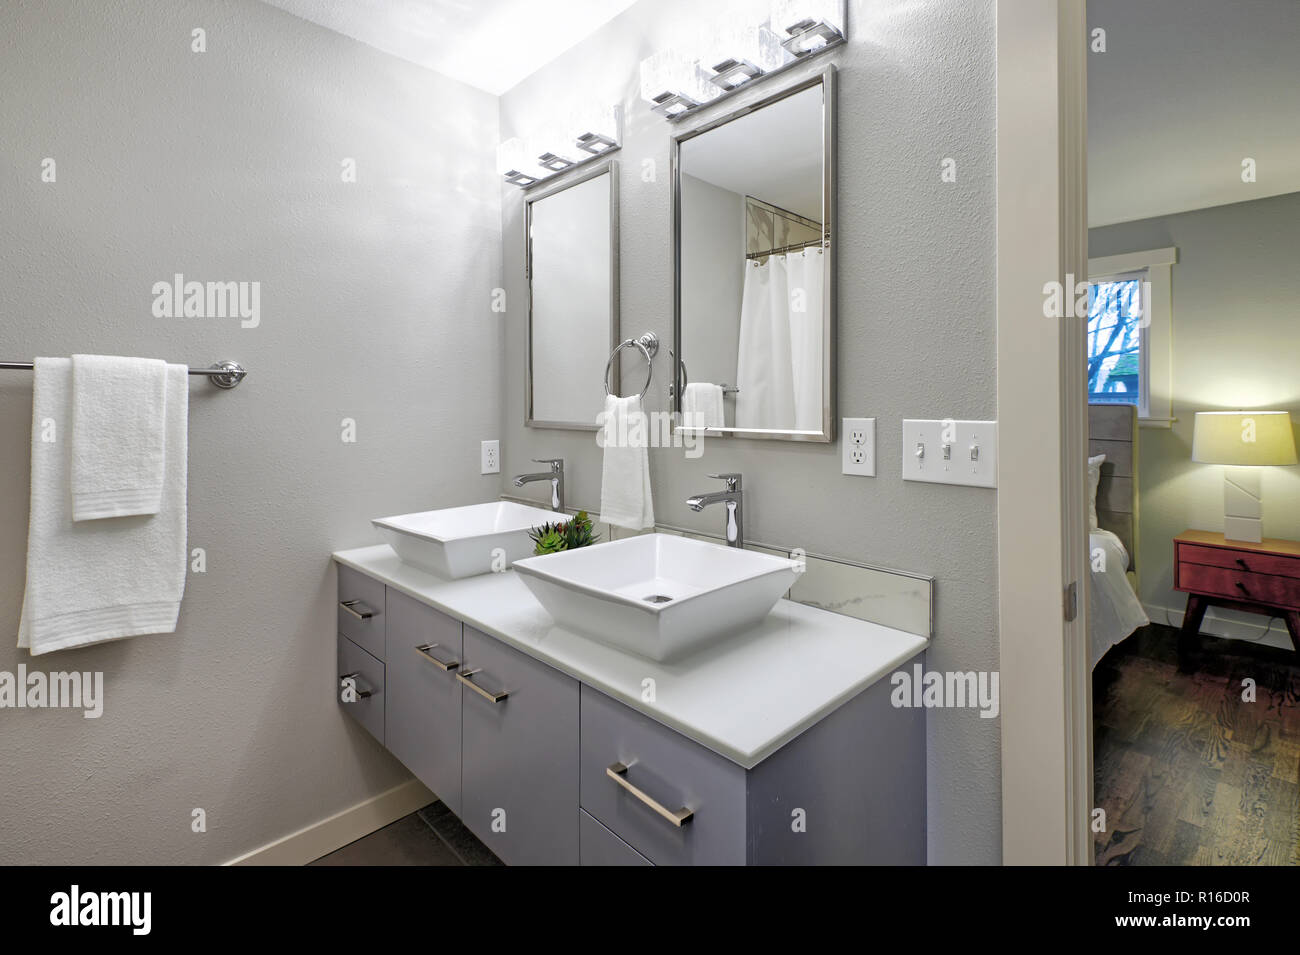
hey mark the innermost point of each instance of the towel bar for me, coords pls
(224, 374)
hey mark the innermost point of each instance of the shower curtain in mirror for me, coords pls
(779, 366)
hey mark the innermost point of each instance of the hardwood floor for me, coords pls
(1187, 771)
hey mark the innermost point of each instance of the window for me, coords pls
(1117, 342)
(1129, 332)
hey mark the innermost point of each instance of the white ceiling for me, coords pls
(773, 154)
(1185, 91)
(489, 44)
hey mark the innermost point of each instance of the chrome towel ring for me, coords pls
(649, 345)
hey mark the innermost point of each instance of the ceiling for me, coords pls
(1185, 91)
(488, 44)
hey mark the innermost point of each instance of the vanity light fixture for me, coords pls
(809, 26)
(580, 138)
(599, 129)
(553, 162)
(674, 83)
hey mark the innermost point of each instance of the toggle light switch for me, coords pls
(980, 438)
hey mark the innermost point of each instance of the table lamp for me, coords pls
(1245, 441)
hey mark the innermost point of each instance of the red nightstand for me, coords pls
(1259, 578)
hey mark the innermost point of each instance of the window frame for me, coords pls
(1141, 276)
(1156, 384)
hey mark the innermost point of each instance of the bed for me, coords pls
(1114, 610)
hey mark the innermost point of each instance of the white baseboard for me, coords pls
(307, 845)
(1214, 625)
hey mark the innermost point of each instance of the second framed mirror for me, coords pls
(754, 318)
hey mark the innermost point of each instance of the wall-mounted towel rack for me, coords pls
(224, 374)
(726, 388)
(649, 345)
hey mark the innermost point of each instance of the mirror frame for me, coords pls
(610, 168)
(826, 80)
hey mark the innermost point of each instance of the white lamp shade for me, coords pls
(1243, 438)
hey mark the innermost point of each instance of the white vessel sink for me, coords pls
(463, 541)
(657, 595)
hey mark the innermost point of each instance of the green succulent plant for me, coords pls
(563, 535)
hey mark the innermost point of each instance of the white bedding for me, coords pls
(1113, 609)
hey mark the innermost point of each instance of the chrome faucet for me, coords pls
(555, 475)
(733, 497)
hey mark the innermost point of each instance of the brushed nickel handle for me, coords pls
(464, 677)
(343, 682)
(423, 650)
(618, 773)
(358, 609)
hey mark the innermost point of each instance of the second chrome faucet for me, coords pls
(555, 475)
(733, 497)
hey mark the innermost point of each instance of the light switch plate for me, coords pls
(951, 452)
(858, 447)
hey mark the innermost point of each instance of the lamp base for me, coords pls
(1246, 530)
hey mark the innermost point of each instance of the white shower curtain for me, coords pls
(780, 355)
(764, 374)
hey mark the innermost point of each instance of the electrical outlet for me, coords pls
(859, 447)
(490, 457)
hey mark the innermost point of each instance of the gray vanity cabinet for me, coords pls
(598, 846)
(361, 611)
(360, 686)
(519, 754)
(422, 715)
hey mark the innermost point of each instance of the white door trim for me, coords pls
(1045, 685)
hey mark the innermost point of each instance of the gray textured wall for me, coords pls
(375, 300)
(1236, 299)
(916, 333)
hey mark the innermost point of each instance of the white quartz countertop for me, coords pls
(744, 698)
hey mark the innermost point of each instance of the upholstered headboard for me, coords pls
(1113, 431)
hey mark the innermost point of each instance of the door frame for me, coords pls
(1046, 684)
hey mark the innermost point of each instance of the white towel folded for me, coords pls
(702, 406)
(625, 476)
(91, 581)
(119, 408)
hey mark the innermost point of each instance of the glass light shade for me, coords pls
(674, 82)
(1243, 438)
(805, 26)
(515, 163)
(741, 53)
(594, 129)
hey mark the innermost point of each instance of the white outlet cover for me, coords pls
(858, 456)
(490, 457)
(972, 452)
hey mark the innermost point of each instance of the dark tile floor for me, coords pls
(1188, 771)
(429, 836)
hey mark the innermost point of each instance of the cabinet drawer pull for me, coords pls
(1242, 587)
(358, 609)
(464, 677)
(1242, 564)
(423, 650)
(618, 773)
(343, 683)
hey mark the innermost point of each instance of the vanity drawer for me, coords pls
(365, 703)
(422, 714)
(361, 611)
(519, 753)
(598, 846)
(636, 773)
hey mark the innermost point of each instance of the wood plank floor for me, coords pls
(1187, 771)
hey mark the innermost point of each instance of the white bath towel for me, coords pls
(91, 581)
(119, 408)
(625, 476)
(702, 406)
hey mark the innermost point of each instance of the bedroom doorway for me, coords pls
(1193, 584)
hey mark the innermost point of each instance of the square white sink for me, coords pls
(657, 595)
(463, 541)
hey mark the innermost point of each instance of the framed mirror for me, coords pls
(571, 267)
(754, 318)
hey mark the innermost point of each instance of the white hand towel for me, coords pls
(92, 581)
(119, 410)
(625, 477)
(702, 406)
